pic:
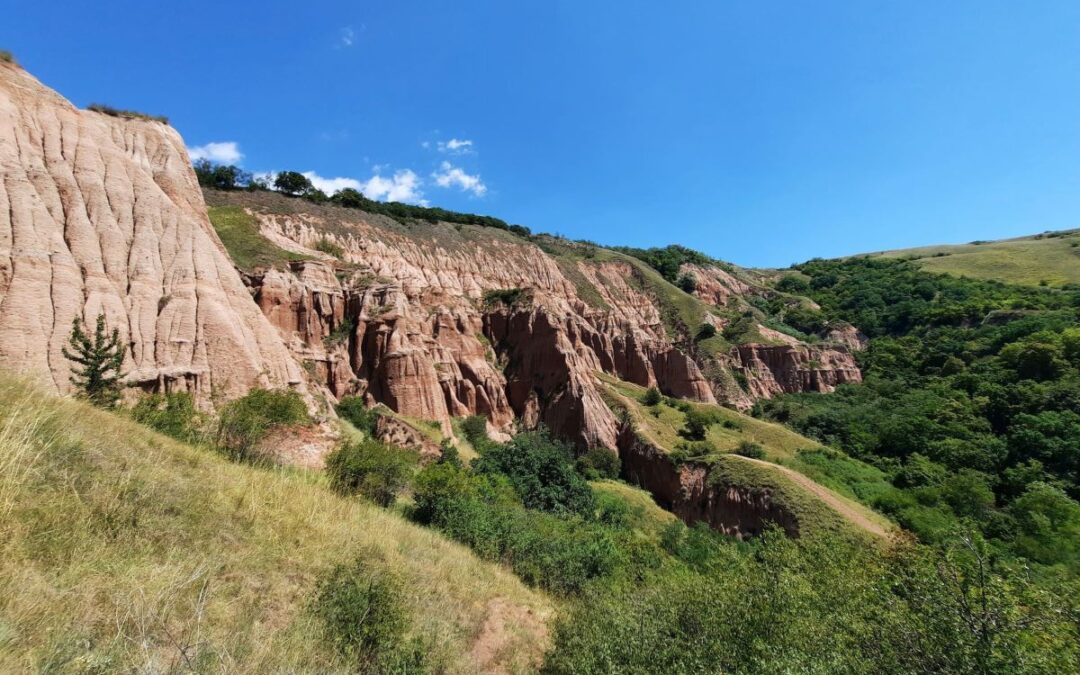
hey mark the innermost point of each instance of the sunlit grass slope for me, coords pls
(124, 551)
(1053, 258)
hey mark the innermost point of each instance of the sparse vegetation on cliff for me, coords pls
(249, 250)
(7, 57)
(126, 114)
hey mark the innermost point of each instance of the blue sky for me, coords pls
(764, 133)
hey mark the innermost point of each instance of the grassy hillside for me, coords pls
(122, 551)
(814, 478)
(1053, 258)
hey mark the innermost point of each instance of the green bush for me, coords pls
(506, 296)
(561, 554)
(706, 331)
(599, 463)
(329, 247)
(172, 414)
(340, 334)
(474, 428)
(652, 397)
(541, 470)
(7, 57)
(750, 449)
(362, 615)
(697, 422)
(353, 410)
(370, 468)
(247, 421)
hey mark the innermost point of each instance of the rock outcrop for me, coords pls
(775, 369)
(689, 490)
(103, 215)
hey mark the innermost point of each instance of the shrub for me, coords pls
(370, 468)
(541, 470)
(247, 421)
(687, 282)
(506, 296)
(474, 429)
(329, 247)
(750, 449)
(7, 57)
(559, 554)
(340, 334)
(125, 114)
(353, 409)
(652, 397)
(599, 463)
(362, 614)
(697, 422)
(172, 414)
(706, 331)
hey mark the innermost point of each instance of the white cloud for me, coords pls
(348, 36)
(456, 146)
(225, 152)
(449, 175)
(403, 186)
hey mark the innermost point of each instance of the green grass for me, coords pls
(1027, 260)
(249, 250)
(647, 516)
(662, 429)
(122, 550)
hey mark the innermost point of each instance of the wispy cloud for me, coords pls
(449, 176)
(456, 146)
(403, 186)
(348, 37)
(225, 152)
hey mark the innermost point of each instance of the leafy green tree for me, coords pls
(98, 361)
(292, 183)
(541, 469)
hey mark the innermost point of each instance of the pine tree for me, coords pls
(100, 357)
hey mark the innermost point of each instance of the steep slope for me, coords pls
(1052, 258)
(735, 494)
(102, 214)
(122, 550)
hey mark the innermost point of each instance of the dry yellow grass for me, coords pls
(124, 551)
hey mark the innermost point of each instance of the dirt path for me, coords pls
(505, 620)
(851, 511)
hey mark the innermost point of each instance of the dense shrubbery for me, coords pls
(370, 468)
(247, 421)
(364, 618)
(561, 554)
(541, 471)
(970, 401)
(172, 414)
(651, 397)
(669, 259)
(353, 409)
(825, 604)
(598, 463)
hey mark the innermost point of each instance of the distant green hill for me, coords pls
(1051, 257)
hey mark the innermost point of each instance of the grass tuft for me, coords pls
(126, 114)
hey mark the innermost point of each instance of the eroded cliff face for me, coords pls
(689, 491)
(412, 318)
(103, 215)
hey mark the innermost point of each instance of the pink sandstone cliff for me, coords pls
(100, 214)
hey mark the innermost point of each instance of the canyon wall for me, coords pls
(103, 215)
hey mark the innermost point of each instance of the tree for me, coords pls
(292, 183)
(652, 397)
(99, 360)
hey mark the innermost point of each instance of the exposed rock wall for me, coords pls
(100, 214)
(774, 369)
(686, 490)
